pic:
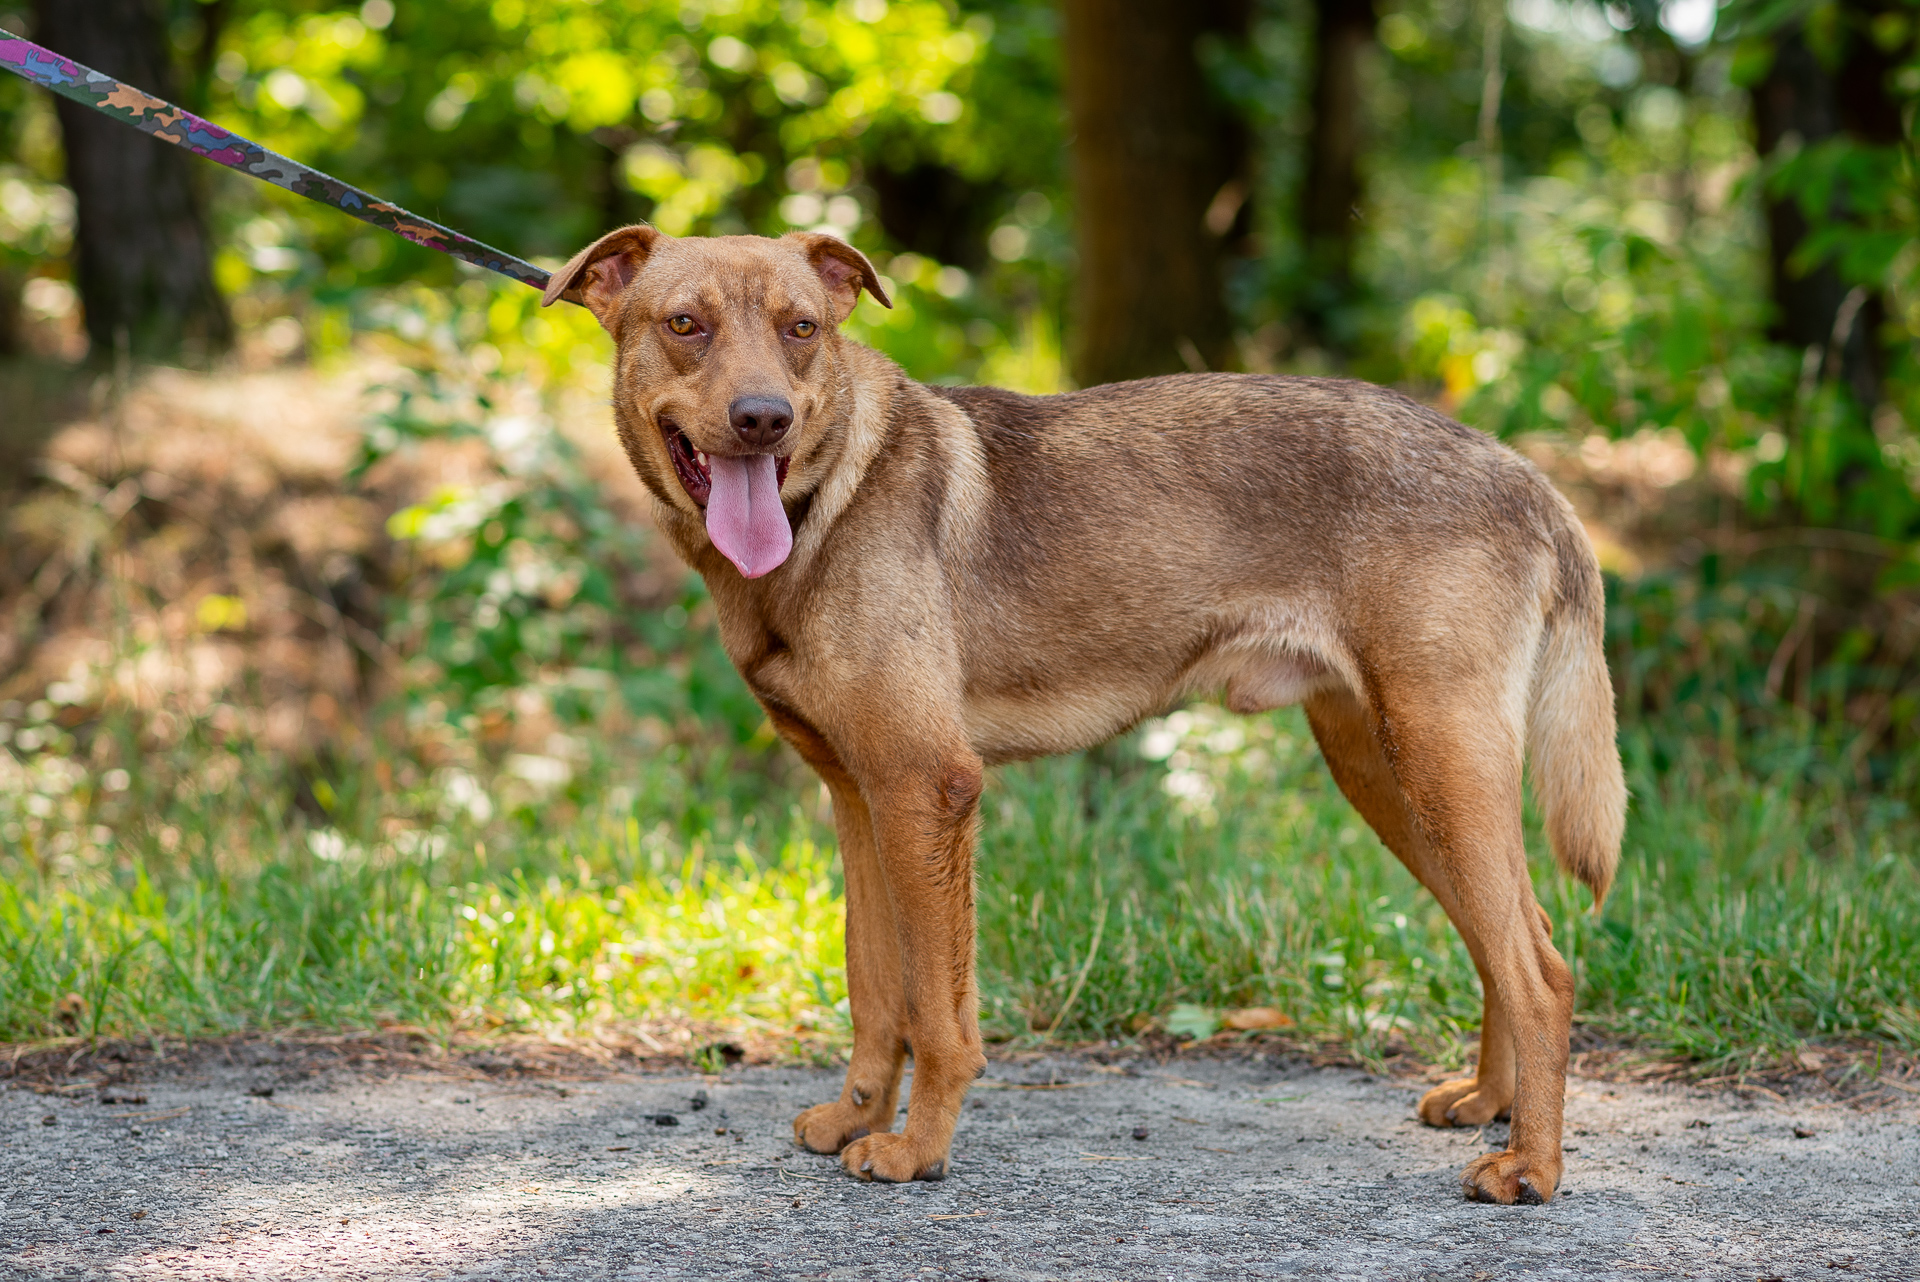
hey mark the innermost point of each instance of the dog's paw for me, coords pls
(893, 1159)
(1460, 1103)
(828, 1128)
(1508, 1177)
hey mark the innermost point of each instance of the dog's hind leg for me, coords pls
(1457, 771)
(1354, 758)
(872, 1091)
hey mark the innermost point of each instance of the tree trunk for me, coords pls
(1330, 198)
(12, 338)
(145, 263)
(1153, 154)
(1803, 101)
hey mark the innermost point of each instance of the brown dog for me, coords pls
(918, 582)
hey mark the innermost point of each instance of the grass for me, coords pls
(1206, 862)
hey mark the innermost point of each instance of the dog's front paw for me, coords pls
(1461, 1103)
(828, 1128)
(893, 1159)
(1508, 1177)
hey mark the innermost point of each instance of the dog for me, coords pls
(918, 582)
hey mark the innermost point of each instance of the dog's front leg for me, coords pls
(925, 814)
(874, 993)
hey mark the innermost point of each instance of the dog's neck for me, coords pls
(862, 404)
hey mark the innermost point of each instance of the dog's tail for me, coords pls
(1570, 724)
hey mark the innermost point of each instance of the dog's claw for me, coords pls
(829, 1128)
(1509, 1178)
(1461, 1103)
(893, 1159)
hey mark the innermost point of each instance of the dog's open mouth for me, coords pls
(741, 495)
(695, 469)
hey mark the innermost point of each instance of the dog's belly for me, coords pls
(1250, 672)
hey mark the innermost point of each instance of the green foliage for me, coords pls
(1601, 274)
(1209, 863)
(601, 920)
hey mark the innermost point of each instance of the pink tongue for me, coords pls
(744, 516)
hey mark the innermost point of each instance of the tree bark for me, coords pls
(1330, 197)
(1153, 153)
(144, 259)
(1803, 101)
(11, 336)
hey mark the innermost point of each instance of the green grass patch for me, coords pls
(1208, 861)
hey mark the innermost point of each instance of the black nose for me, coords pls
(761, 420)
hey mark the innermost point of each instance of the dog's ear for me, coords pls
(844, 269)
(599, 274)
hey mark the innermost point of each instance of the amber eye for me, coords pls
(683, 325)
(804, 329)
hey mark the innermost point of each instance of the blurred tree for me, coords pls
(1828, 80)
(1330, 196)
(145, 264)
(10, 328)
(1154, 152)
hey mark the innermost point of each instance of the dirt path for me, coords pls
(1248, 1170)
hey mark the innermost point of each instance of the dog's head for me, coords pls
(728, 355)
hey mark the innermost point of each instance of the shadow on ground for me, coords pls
(1248, 1169)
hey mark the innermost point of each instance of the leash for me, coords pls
(182, 128)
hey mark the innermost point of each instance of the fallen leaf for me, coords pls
(1252, 1017)
(1193, 1023)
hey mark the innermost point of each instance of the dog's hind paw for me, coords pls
(828, 1128)
(1508, 1177)
(1460, 1103)
(893, 1159)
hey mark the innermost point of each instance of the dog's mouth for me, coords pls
(741, 497)
(694, 467)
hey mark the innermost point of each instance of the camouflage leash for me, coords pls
(169, 123)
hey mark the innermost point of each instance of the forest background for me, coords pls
(342, 684)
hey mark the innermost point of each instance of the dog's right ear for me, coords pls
(599, 274)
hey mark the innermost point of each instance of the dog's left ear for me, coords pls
(844, 269)
(599, 274)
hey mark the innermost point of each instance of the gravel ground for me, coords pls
(1247, 1169)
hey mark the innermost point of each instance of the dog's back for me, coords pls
(1134, 534)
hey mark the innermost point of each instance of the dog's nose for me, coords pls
(761, 420)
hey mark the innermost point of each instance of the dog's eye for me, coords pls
(804, 329)
(683, 325)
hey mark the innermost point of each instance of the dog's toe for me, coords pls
(1461, 1103)
(829, 1128)
(893, 1159)
(1508, 1177)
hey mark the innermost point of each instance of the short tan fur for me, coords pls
(977, 576)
